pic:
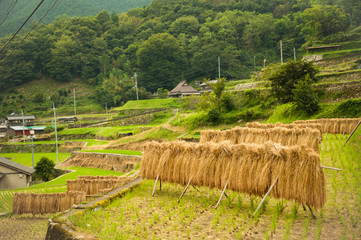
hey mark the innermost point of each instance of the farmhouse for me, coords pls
(183, 89)
(14, 175)
(17, 131)
(206, 88)
(17, 120)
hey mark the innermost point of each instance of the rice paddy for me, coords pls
(139, 216)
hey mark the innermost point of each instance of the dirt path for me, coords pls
(23, 227)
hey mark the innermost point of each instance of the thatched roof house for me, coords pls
(183, 89)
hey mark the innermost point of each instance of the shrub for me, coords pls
(305, 97)
(45, 169)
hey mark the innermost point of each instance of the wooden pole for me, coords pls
(229, 155)
(224, 190)
(352, 133)
(160, 185)
(184, 191)
(332, 168)
(155, 185)
(313, 215)
(265, 196)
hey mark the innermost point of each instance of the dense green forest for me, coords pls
(173, 40)
(18, 10)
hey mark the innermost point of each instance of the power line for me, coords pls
(41, 2)
(22, 40)
(9, 10)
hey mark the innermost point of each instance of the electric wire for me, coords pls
(8, 11)
(2, 49)
(22, 40)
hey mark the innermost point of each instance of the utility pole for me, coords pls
(32, 147)
(56, 137)
(219, 67)
(22, 113)
(281, 52)
(294, 53)
(136, 84)
(254, 62)
(106, 109)
(74, 104)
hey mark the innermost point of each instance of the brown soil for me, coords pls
(23, 227)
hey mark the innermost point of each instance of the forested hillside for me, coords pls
(173, 40)
(18, 10)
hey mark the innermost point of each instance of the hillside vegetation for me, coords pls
(169, 41)
(23, 8)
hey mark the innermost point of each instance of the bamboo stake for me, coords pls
(332, 168)
(224, 190)
(155, 185)
(184, 191)
(352, 133)
(313, 215)
(265, 196)
(195, 188)
(229, 155)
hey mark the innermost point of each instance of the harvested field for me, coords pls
(70, 146)
(107, 161)
(284, 136)
(247, 168)
(333, 125)
(138, 215)
(23, 227)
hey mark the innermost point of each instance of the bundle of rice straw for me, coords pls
(40, 203)
(292, 125)
(284, 136)
(333, 125)
(248, 168)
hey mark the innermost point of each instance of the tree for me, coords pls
(323, 21)
(305, 97)
(162, 61)
(284, 78)
(45, 169)
(218, 88)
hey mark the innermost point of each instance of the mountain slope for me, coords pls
(23, 8)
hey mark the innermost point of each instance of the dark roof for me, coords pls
(16, 166)
(183, 88)
(20, 117)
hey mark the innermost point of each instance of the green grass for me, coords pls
(125, 152)
(150, 104)
(91, 142)
(101, 131)
(26, 158)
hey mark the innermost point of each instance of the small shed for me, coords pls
(36, 129)
(3, 129)
(206, 88)
(14, 175)
(18, 131)
(71, 119)
(183, 89)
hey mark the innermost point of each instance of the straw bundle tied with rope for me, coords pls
(94, 186)
(333, 125)
(248, 168)
(40, 203)
(284, 136)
